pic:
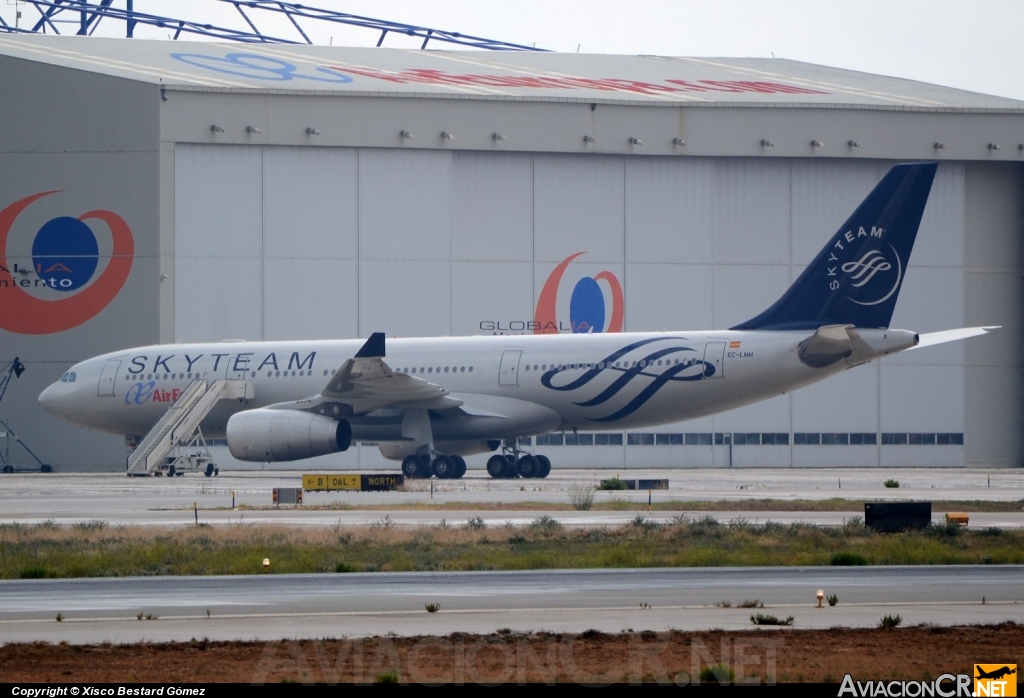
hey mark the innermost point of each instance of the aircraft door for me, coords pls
(238, 366)
(108, 376)
(714, 354)
(508, 373)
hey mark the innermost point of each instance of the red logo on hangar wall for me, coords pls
(588, 311)
(65, 257)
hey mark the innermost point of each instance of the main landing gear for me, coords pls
(515, 463)
(442, 466)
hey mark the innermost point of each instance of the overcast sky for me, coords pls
(976, 45)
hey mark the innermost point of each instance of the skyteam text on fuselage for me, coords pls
(430, 401)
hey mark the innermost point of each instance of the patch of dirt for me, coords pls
(759, 656)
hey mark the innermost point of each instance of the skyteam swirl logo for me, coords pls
(65, 257)
(867, 267)
(589, 309)
(656, 368)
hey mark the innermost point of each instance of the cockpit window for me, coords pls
(64, 378)
(72, 377)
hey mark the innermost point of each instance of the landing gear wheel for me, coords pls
(510, 471)
(528, 466)
(496, 466)
(426, 468)
(171, 472)
(216, 472)
(444, 467)
(460, 466)
(8, 469)
(545, 466)
(411, 466)
(209, 470)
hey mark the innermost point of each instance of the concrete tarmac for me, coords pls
(119, 500)
(272, 607)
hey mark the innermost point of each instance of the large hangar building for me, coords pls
(169, 191)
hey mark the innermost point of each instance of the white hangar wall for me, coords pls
(275, 242)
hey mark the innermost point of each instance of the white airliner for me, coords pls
(430, 401)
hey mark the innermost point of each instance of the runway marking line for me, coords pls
(465, 611)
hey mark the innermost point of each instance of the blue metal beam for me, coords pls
(91, 14)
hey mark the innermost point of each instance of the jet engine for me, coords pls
(269, 436)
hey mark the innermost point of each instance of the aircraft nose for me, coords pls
(51, 402)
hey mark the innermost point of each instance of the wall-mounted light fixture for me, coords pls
(635, 141)
(217, 129)
(817, 144)
(853, 144)
(252, 129)
(405, 134)
(767, 143)
(940, 146)
(445, 136)
(312, 131)
(678, 141)
(993, 146)
(497, 136)
(589, 139)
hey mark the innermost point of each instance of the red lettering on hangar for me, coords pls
(541, 82)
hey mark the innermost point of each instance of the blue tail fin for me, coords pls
(856, 279)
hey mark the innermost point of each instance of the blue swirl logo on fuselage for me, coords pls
(139, 393)
(691, 368)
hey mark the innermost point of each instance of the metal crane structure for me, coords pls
(84, 16)
(13, 369)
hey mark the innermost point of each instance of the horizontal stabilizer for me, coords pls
(933, 338)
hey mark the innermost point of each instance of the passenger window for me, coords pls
(470, 369)
(277, 374)
(430, 370)
(446, 369)
(462, 370)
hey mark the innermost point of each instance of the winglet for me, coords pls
(374, 347)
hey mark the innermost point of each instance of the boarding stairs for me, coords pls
(180, 424)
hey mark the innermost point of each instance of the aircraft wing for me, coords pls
(933, 338)
(366, 383)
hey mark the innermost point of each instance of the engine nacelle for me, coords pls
(268, 436)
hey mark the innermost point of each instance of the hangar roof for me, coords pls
(490, 75)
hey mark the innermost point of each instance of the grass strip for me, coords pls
(94, 550)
